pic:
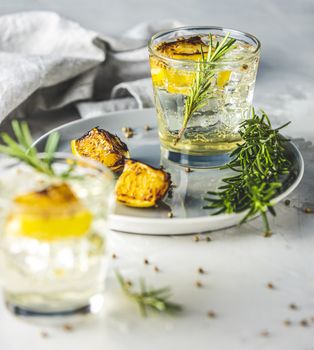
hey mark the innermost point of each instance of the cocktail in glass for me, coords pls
(201, 99)
(53, 237)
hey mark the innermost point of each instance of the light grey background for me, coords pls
(239, 262)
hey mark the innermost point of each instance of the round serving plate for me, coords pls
(186, 201)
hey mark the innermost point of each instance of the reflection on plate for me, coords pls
(186, 201)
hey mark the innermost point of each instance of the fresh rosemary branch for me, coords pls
(149, 299)
(200, 89)
(259, 162)
(24, 150)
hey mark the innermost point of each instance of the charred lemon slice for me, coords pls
(141, 185)
(179, 81)
(51, 214)
(101, 145)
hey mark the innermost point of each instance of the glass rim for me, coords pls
(152, 50)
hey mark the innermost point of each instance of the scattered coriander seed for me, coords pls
(308, 210)
(67, 327)
(156, 205)
(156, 269)
(211, 314)
(114, 256)
(200, 270)
(245, 66)
(287, 202)
(170, 215)
(293, 306)
(267, 234)
(287, 322)
(199, 284)
(188, 170)
(265, 333)
(44, 334)
(270, 285)
(129, 284)
(146, 262)
(304, 323)
(196, 238)
(147, 128)
(208, 239)
(129, 134)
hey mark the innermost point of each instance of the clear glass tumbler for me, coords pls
(52, 237)
(201, 97)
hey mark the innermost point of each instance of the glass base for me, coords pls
(51, 318)
(202, 162)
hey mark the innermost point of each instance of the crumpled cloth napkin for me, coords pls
(47, 62)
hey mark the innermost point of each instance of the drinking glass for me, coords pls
(178, 58)
(53, 237)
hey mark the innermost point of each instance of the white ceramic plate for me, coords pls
(187, 201)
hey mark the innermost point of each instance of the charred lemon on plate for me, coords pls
(53, 213)
(179, 80)
(141, 185)
(102, 146)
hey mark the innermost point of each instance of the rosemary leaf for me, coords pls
(23, 149)
(260, 163)
(202, 83)
(149, 299)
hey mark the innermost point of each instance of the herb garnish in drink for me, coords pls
(201, 86)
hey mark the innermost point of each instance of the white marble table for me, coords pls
(239, 262)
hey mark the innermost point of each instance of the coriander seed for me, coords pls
(265, 333)
(211, 314)
(293, 306)
(304, 323)
(200, 270)
(67, 327)
(198, 284)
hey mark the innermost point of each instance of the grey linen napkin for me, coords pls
(48, 62)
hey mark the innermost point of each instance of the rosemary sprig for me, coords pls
(200, 89)
(149, 299)
(259, 162)
(24, 150)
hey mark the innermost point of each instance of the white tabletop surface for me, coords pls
(239, 262)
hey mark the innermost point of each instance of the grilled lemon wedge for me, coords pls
(141, 185)
(176, 80)
(102, 146)
(50, 214)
